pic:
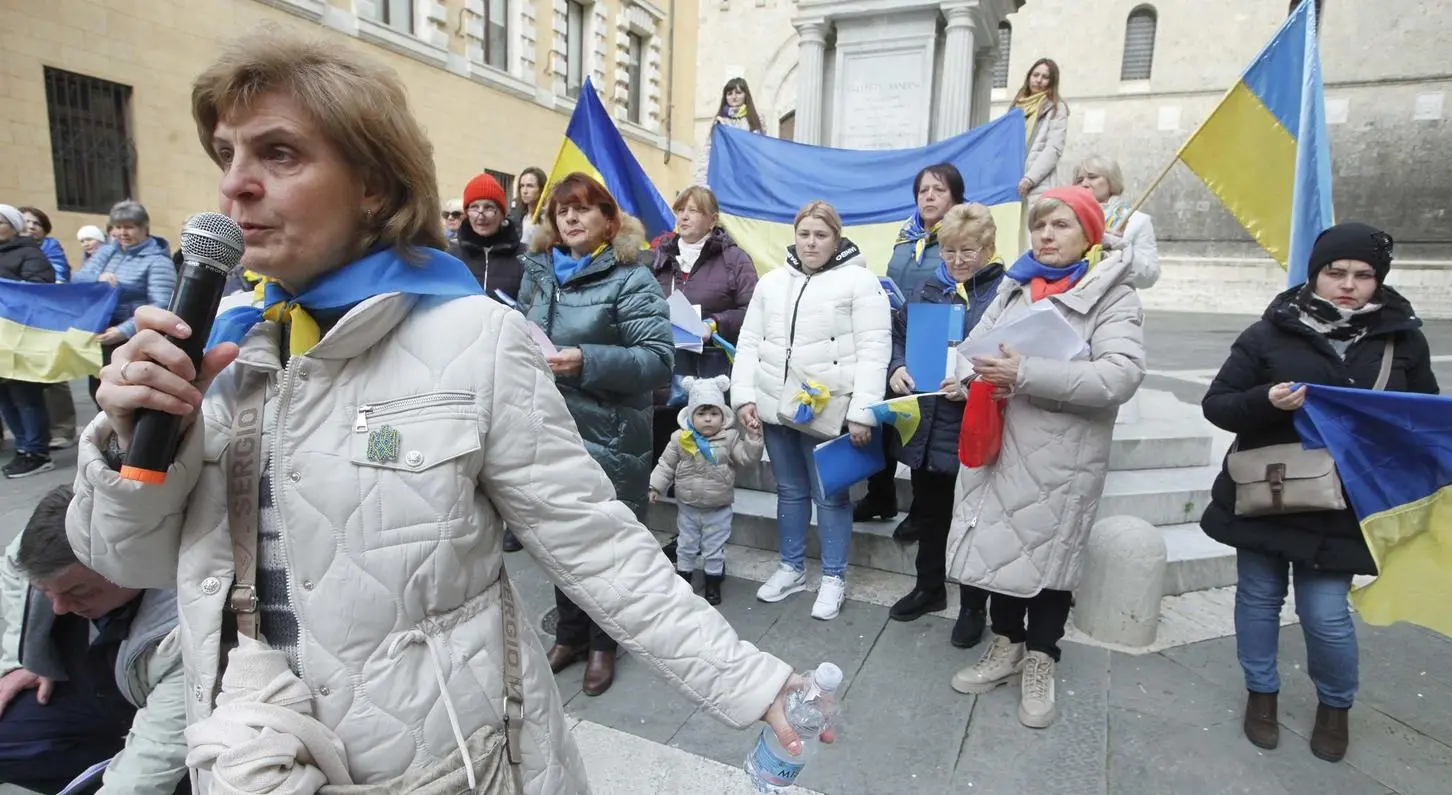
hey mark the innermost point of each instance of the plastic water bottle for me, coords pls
(810, 711)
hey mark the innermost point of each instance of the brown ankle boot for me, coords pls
(599, 672)
(562, 657)
(1332, 733)
(1261, 725)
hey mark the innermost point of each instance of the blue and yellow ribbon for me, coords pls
(694, 443)
(811, 400)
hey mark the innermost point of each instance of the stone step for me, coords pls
(1196, 562)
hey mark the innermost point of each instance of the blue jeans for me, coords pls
(1332, 658)
(797, 488)
(22, 406)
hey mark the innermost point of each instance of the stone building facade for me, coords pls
(1141, 76)
(97, 92)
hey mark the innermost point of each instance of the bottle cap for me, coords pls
(828, 677)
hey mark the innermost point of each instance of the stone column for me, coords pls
(983, 85)
(955, 94)
(811, 73)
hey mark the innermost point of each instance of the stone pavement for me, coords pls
(1158, 723)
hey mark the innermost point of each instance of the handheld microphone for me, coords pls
(211, 246)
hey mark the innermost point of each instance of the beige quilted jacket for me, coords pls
(377, 550)
(1020, 525)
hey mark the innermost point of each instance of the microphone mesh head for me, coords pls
(212, 239)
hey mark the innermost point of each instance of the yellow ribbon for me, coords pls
(811, 400)
(922, 244)
(1095, 254)
(303, 330)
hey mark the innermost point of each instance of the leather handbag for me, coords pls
(1288, 478)
(495, 753)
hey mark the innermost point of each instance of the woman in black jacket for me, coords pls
(488, 241)
(1334, 330)
(22, 403)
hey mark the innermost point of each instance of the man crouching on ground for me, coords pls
(92, 670)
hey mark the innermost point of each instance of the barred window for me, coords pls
(636, 98)
(90, 141)
(505, 180)
(496, 33)
(1000, 66)
(1139, 44)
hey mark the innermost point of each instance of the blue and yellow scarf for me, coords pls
(913, 232)
(961, 288)
(1028, 268)
(380, 272)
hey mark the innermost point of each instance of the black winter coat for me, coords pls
(494, 260)
(1280, 348)
(934, 446)
(22, 260)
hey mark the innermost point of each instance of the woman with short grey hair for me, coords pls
(139, 266)
(1102, 176)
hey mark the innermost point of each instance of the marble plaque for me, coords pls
(883, 100)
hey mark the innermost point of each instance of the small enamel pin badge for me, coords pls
(383, 445)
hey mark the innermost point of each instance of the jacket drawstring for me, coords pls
(419, 636)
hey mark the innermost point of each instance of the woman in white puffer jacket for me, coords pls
(812, 356)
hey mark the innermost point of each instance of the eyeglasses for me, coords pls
(453, 216)
(960, 255)
(487, 208)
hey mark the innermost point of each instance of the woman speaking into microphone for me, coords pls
(405, 419)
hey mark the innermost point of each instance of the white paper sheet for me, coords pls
(686, 317)
(540, 338)
(1041, 332)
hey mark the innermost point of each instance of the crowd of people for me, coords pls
(511, 380)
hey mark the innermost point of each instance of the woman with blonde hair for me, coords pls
(1103, 178)
(968, 275)
(1046, 122)
(384, 421)
(812, 358)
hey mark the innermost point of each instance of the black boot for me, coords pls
(919, 603)
(689, 577)
(972, 617)
(669, 550)
(511, 544)
(870, 509)
(713, 588)
(906, 531)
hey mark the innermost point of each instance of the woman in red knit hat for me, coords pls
(488, 241)
(1020, 524)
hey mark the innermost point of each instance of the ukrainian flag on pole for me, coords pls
(1264, 150)
(48, 331)
(762, 182)
(1393, 451)
(593, 146)
(903, 413)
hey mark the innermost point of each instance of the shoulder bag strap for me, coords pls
(244, 459)
(1386, 364)
(513, 671)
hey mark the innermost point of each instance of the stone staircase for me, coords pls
(1161, 468)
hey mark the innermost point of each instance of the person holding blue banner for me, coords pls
(22, 403)
(1344, 327)
(968, 275)
(812, 358)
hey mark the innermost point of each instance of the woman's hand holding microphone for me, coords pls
(150, 372)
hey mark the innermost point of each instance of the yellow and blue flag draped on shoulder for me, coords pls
(48, 331)
(1393, 451)
(902, 413)
(762, 182)
(593, 146)
(1264, 150)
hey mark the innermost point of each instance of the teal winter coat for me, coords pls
(614, 312)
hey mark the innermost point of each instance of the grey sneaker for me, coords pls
(1000, 665)
(784, 582)
(1036, 708)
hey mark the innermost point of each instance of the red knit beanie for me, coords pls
(486, 188)
(1085, 206)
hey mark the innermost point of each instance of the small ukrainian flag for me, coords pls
(902, 413)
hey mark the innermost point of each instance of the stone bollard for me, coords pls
(1118, 599)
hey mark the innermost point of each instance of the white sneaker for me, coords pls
(829, 598)
(783, 583)
(1036, 705)
(1001, 664)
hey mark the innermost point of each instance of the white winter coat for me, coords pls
(376, 550)
(1046, 146)
(1020, 525)
(1139, 233)
(833, 326)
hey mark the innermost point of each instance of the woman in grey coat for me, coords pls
(584, 287)
(1021, 523)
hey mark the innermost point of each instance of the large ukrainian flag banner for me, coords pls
(593, 146)
(48, 331)
(1264, 151)
(1393, 451)
(762, 182)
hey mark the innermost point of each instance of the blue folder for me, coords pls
(895, 299)
(839, 464)
(931, 330)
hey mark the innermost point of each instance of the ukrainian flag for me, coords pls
(593, 146)
(1264, 150)
(1393, 451)
(762, 182)
(48, 331)
(903, 413)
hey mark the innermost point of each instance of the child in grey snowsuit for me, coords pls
(701, 460)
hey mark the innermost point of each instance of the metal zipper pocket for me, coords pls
(411, 403)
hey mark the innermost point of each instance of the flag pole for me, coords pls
(1164, 172)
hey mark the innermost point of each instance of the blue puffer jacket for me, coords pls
(910, 275)
(614, 312)
(935, 445)
(145, 276)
